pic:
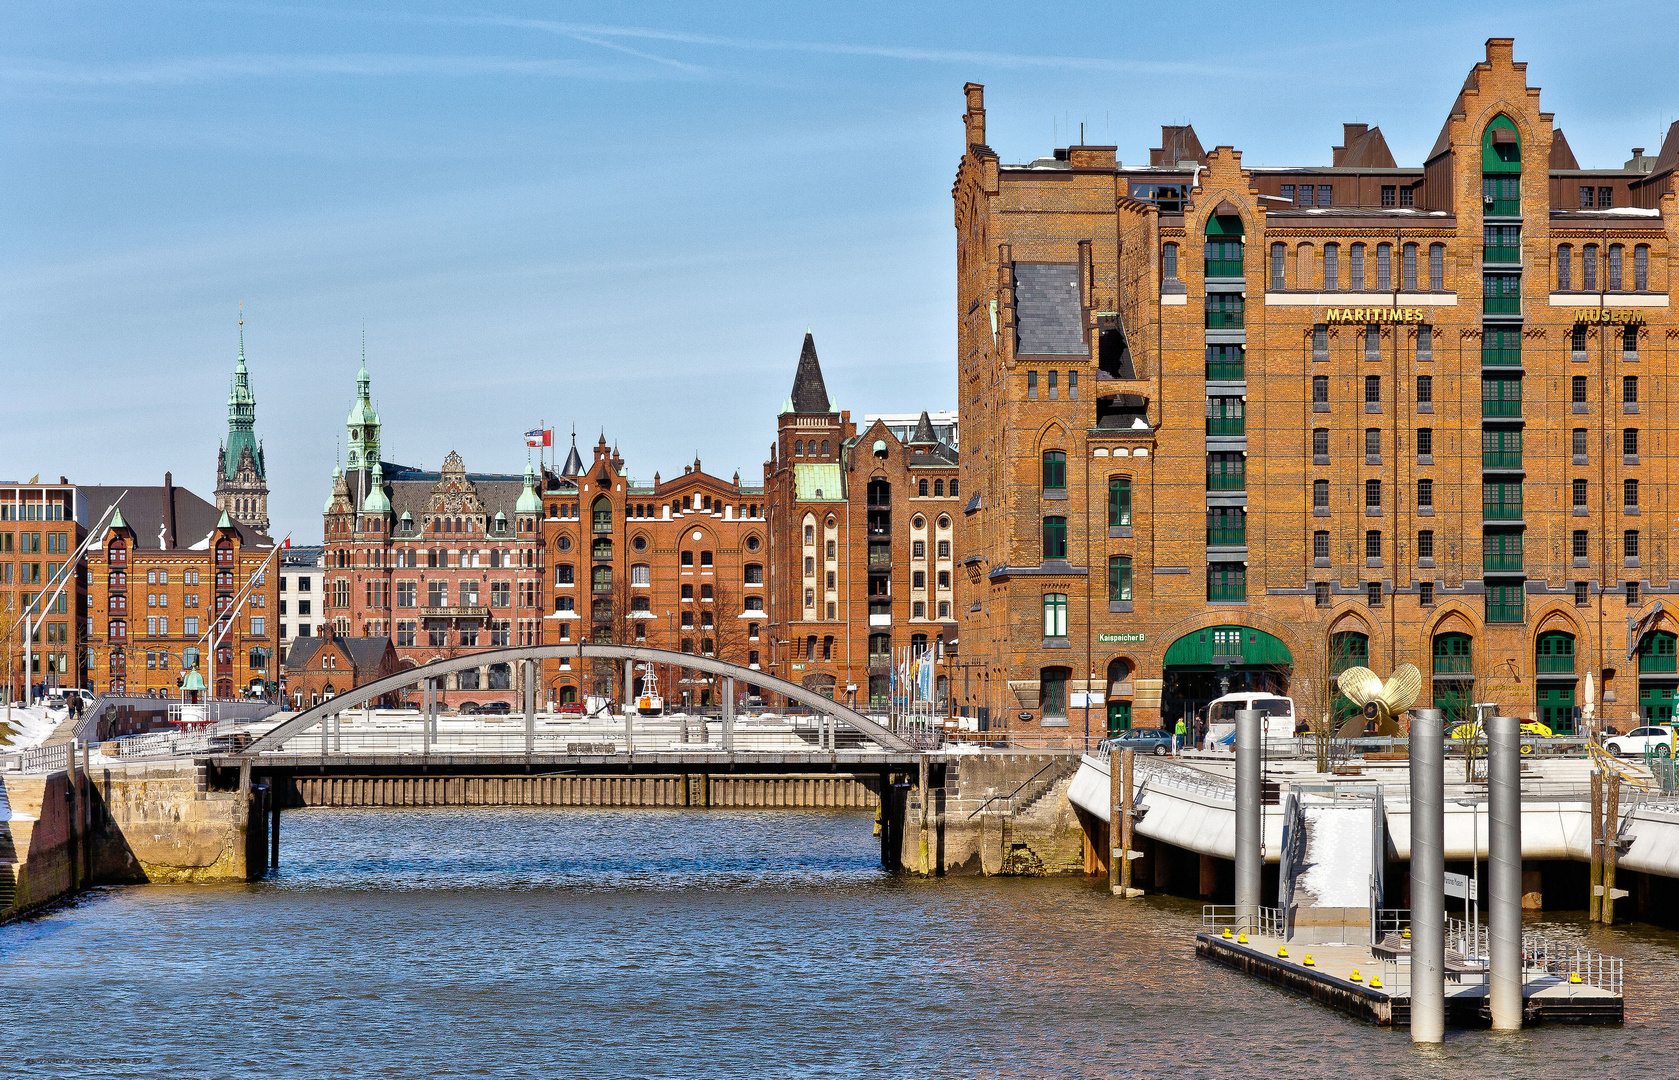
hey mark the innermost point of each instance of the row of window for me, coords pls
(158, 626)
(29, 543)
(1501, 448)
(1495, 387)
(11, 510)
(1614, 268)
(1052, 388)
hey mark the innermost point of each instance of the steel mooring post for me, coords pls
(1428, 875)
(529, 679)
(1248, 793)
(729, 713)
(1504, 863)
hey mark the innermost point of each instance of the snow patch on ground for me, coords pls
(31, 727)
(1338, 848)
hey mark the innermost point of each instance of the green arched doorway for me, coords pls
(1217, 660)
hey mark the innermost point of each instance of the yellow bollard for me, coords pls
(1375, 982)
(1574, 977)
(1242, 939)
(1356, 976)
(1309, 962)
(1226, 934)
(1282, 951)
(1405, 933)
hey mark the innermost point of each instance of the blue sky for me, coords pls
(621, 216)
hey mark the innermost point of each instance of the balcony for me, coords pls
(1227, 537)
(1494, 207)
(1501, 511)
(1501, 407)
(1507, 255)
(1226, 371)
(880, 557)
(1502, 305)
(1226, 482)
(1505, 612)
(1227, 425)
(1452, 665)
(1224, 268)
(1501, 459)
(1227, 319)
(454, 613)
(1555, 665)
(1501, 562)
(1657, 662)
(1227, 593)
(1497, 357)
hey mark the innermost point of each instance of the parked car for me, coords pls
(495, 708)
(469, 708)
(1157, 741)
(574, 708)
(1635, 743)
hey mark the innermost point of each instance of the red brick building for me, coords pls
(41, 526)
(1240, 427)
(318, 668)
(452, 561)
(168, 566)
(865, 534)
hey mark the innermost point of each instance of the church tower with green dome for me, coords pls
(241, 472)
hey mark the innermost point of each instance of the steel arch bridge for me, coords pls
(629, 654)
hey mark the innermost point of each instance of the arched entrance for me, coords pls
(1119, 696)
(1217, 660)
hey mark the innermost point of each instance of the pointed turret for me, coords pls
(810, 393)
(241, 471)
(362, 425)
(573, 463)
(923, 435)
(117, 521)
(224, 522)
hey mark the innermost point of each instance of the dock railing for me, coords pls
(1270, 921)
(41, 759)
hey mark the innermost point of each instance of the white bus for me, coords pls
(1277, 713)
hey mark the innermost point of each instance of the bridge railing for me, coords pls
(409, 734)
(40, 759)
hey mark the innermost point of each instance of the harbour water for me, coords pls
(525, 942)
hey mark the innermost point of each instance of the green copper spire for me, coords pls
(377, 502)
(241, 419)
(529, 502)
(363, 422)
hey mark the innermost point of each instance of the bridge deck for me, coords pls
(615, 764)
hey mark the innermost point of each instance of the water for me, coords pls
(484, 942)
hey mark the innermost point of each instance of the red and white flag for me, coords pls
(540, 437)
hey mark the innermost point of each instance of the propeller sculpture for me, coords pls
(1377, 700)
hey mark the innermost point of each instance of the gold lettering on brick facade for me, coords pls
(1373, 315)
(1607, 315)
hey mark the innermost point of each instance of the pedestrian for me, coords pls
(1178, 734)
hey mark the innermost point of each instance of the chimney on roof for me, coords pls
(974, 118)
(168, 510)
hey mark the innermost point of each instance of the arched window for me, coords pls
(938, 489)
(1355, 268)
(1169, 262)
(1224, 246)
(1054, 470)
(1453, 654)
(1554, 653)
(1279, 262)
(921, 489)
(1657, 652)
(1565, 268)
(1384, 267)
(601, 512)
(798, 448)
(810, 534)
(1641, 268)
(1501, 169)
(824, 447)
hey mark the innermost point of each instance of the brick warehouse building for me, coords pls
(41, 525)
(452, 561)
(865, 534)
(1233, 427)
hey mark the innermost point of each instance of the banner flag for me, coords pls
(540, 437)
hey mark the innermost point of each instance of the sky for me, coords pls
(621, 217)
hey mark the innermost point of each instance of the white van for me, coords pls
(58, 697)
(1277, 713)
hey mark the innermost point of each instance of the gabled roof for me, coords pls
(1562, 155)
(180, 518)
(1362, 146)
(810, 393)
(364, 652)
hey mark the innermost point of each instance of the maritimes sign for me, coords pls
(1374, 314)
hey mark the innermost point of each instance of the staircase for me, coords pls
(1330, 866)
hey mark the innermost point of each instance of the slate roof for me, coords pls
(410, 490)
(185, 520)
(364, 652)
(810, 393)
(1047, 310)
